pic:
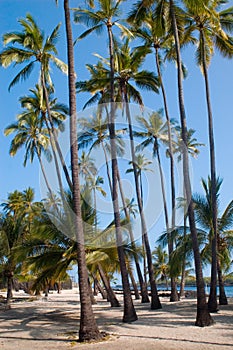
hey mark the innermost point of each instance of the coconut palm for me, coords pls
(127, 69)
(105, 18)
(193, 144)
(11, 231)
(30, 133)
(214, 27)
(88, 327)
(203, 317)
(161, 264)
(31, 46)
(15, 226)
(224, 229)
(58, 114)
(153, 131)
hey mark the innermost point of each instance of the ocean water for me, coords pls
(228, 290)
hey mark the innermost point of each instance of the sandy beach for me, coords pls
(53, 324)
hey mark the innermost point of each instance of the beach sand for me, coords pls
(53, 324)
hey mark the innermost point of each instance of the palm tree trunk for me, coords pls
(212, 302)
(182, 282)
(222, 294)
(95, 292)
(203, 317)
(134, 284)
(107, 167)
(9, 289)
(143, 287)
(174, 294)
(88, 327)
(155, 302)
(93, 301)
(101, 289)
(129, 310)
(110, 293)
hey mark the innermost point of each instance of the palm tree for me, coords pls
(11, 231)
(213, 26)
(15, 225)
(193, 144)
(127, 68)
(58, 113)
(154, 130)
(203, 209)
(30, 133)
(161, 264)
(97, 21)
(141, 163)
(88, 327)
(87, 166)
(31, 45)
(203, 317)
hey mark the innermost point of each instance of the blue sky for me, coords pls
(14, 176)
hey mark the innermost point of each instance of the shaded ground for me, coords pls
(53, 323)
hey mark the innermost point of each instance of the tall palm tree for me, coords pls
(203, 208)
(213, 26)
(30, 133)
(58, 113)
(154, 130)
(88, 327)
(105, 18)
(31, 46)
(203, 317)
(127, 68)
(152, 26)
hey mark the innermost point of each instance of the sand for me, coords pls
(53, 324)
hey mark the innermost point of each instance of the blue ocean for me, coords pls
(228, 290)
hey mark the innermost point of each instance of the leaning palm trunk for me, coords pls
(99, 287)
(129, 310)
(143, 287)
(134, 284)
(174, 294)
(212, 302)
(155, 302)
(203, 317)
(110, 293)
(88, 327)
